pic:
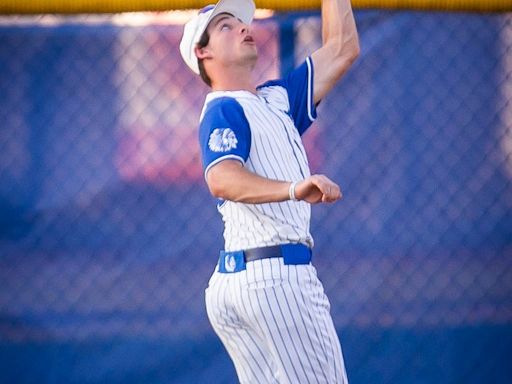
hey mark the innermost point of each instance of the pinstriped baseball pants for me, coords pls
(274, 321)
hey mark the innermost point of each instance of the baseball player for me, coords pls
(264, 299)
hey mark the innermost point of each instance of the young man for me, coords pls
(264, 299)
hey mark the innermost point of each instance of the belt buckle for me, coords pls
(231, 262)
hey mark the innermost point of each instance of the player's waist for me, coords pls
(254, 234)
(285, 218)
(292, 254)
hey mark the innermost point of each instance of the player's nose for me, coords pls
(244, 29)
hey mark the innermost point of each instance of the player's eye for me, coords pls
(225, 27)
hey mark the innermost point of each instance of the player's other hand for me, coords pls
(318, 189)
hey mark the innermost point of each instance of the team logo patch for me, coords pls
(222, 140)
(230, 263)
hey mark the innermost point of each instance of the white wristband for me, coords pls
(291, 191)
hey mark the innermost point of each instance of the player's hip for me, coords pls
(287, 268)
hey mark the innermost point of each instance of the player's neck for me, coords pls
(234, 80)
(235, 87)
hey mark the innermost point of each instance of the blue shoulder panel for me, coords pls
(224, 132)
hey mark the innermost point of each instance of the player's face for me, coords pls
(231, 40)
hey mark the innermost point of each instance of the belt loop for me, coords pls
(296, 254)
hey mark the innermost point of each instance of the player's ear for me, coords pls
(203, 53)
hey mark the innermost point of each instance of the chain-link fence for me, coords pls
(108, 234)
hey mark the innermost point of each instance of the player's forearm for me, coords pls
(229, 180)
(339, 30)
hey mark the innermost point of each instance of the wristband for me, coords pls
(291, 191)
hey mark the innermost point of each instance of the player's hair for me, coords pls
(203, 42)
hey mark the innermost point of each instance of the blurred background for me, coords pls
(108, 234)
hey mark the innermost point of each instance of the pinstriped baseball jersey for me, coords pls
(262, 132)
(272, 316)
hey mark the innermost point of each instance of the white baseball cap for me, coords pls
(194, 28)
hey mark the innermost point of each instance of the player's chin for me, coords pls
(250, 49)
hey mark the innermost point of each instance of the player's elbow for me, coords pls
(216, 188)
(218, 192)
(217, 184)
(225, 191)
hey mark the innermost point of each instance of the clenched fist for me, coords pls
(317, 189)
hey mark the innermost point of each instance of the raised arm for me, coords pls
(340, 46)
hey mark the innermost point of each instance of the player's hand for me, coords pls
(318, 189)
